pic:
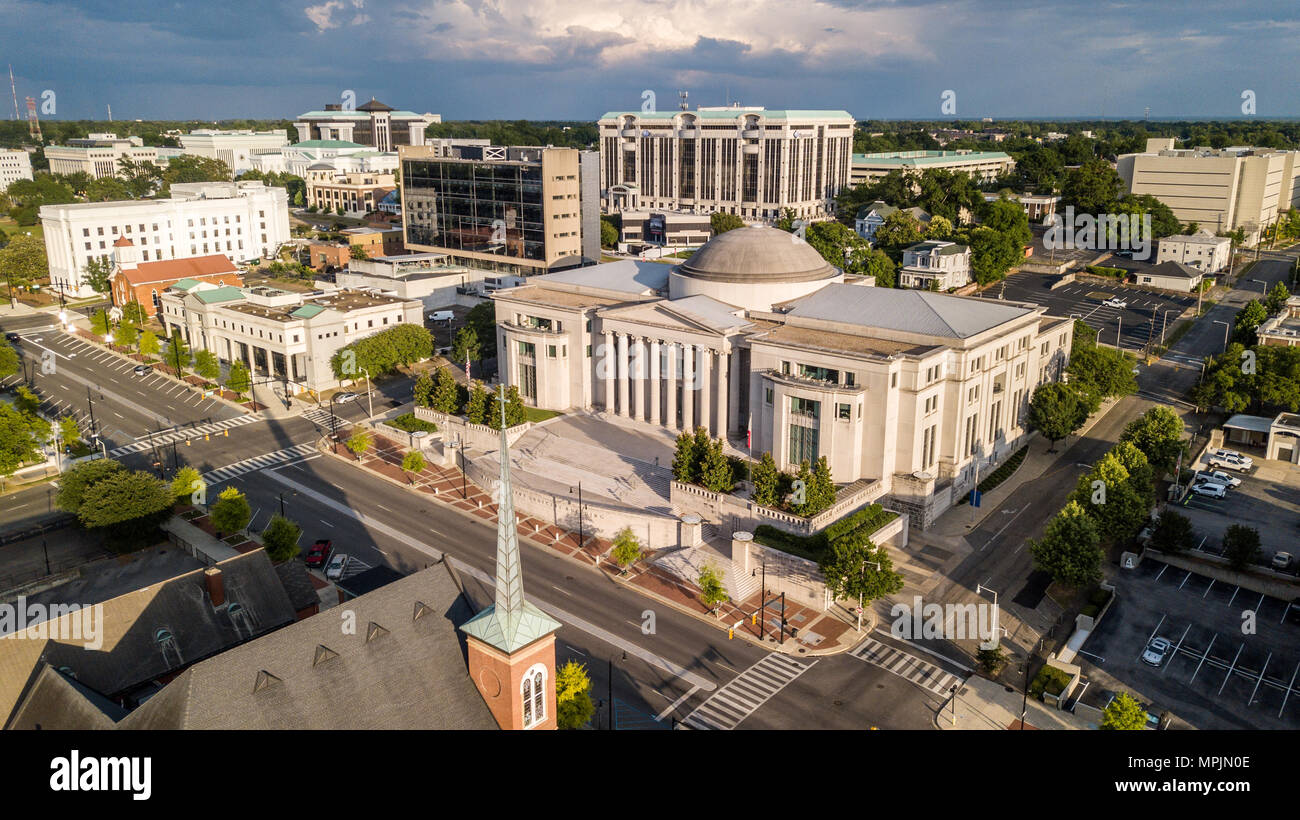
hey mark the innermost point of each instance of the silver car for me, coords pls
(1156, 651)
(338, 563)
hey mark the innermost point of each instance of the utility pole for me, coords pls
(91, 404)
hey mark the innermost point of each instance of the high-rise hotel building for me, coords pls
(749, 161)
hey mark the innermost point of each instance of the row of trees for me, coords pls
(478, 404)
(1174, 533)
(700, 460)
(1263, 379)
(383, 352)
(1096, 373)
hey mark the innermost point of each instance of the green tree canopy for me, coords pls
(1241, 546)
(1055, 411)
(721, 222)
(231, 513)
(23, 261)
(446, 394)
(383, 352)
(1173, 533)
(280, 538)
(1158, 433)
(74, 482)
(573, 706)
(766, 479)
(626, 549)
(1070, 548)
(1123, 714)
(238, 379)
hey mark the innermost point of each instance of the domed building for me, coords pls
(759, 340)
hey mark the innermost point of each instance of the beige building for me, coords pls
(1201, 250)
(357, 193)
(1171, 275)
(983, 166)
(508, 209)
(375, 124)
(1219, 189)
(757, 337)
(748, 161)
(278, 334)
(235, 148)
(14, 165)
(97, 160)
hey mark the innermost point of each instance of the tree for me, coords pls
(96, 273)
(23, 261)
(1009, 219)
(992, 254)
(803, 487)
(74, 483)
(1083, 335)
(107, 189)
(27, 402)
(684, 458)
(186, 483)
(940, 228)
(231, 513)
(1091, 188)
(194, 168)
(712, 592)
(722, 222)
(1107, 495)
(1158, 433)
(573, 706)
(423, 392)
(238, 379)
(1123, 714)
(608, 233)
(1173, 532)
(992, 659)
(99, 323)
(20, 439)
(206, 365)
(127, 506)
(8, 359)
(446, 395)
(1054, 411)
(69, 432)
(626, 549)
(148, 344)
(127, 333)
(1247, 321)
(767, 481)
(133, 312)
(823, 486)
(383, 352)
(280, 538)
(482, 317)
(476, 407)
(900, 230)
(178, 354)
(357, 252)
(702, 446)
(1070, 548)
(516, 412)
(715, 472)
(359, 442)
(466, 347)
(855, 568)
(1241, 546)
(1277, 297)
(140, 177)
(872, 262)
(413, 464)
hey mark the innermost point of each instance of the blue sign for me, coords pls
(975, 496)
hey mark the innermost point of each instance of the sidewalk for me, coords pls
(982, 704)
(820, 633)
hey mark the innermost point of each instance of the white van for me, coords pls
(441, 316)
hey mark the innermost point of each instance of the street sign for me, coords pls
(975, 496)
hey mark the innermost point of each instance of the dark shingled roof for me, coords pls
(297, 585)
(368, 581)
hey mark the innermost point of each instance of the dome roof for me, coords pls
(757, 254)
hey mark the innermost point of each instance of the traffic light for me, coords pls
(226, 432)
(731, 633)
(206, 437)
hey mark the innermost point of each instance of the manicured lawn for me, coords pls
(411, 424)
(536, 414)
(11, 228)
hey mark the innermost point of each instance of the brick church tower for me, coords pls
(512, 643)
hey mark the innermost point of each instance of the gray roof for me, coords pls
(1255, 424)
(404, 668)
(57, 701)
(709, 311)
(625, 275)
(297, 585)
(878, 207)
(757, 254)
(1174, 269)
(910, 311)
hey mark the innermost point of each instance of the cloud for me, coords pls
(320, 15)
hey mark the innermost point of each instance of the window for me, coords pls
(767, 395)
(550, 351)
(844, 411)
(893, 380)
(785, 366)
(534, 695)
(527, 349)
(804, 407)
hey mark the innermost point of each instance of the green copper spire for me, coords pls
(511, 622)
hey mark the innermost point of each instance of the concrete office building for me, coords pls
(1202, 249)
(429, 277)
(14, 165)
(235, 148)
(758, 336)
(746, 161)
(983, 166)
(356, 193)
(243, 220)
(342, 155)
(1219, 189)
(278, 334)
(379, 126)
(517, 210)
(99, 158)
(665, 228)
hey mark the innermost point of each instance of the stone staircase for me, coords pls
(740, 586)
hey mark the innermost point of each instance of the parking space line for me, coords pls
(1184, 583)
(1153, 634)
(1178, 648)
(1260, 604)
(1285, 612)
(1210, 587)
(1157, 578)
(1288, 690)
(1260, 680)
(1234, 596)
(1228, 676)
(1213, 638)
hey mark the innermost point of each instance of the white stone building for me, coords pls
(757, 338)
(1202, 249)
(429, 277)
(97, 160)
(342, 155)
(243, 220)
(278, 334)
(14, 165)
(935, 265)
(235, 148)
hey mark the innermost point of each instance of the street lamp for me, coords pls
(1164, 319)
(1226, 327)
(980, 589)
(370, 394)
(1263, 286)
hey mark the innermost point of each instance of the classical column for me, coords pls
(639, 371)
(724, 394)
(670, 384)
(706, 388)
(607, 362)
(688, 388)
(654, 381)
(622, 375)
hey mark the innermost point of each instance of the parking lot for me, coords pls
(1268, 500)
(1131, 325)
(1234, 660)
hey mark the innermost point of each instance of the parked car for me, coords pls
(342, 397)
(1115, 302)
(1218, 477)
(1231, 459)
(319, 553)
(11, 337)
(1281, 560)
(141, 370)
(337, 564)
(1156, 651)
(1210, 489)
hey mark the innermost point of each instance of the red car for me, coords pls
(319, 553)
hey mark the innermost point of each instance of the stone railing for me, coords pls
(738, 513)
(473, 436)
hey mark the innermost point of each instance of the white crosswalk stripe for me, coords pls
(740, 698)
(160, 439)
(322, 418)
(248, 465)
(923, 673)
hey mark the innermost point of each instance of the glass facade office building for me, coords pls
(490, 208)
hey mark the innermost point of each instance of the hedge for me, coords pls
(870, 518)
(1102, 270)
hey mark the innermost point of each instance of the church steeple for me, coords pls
(512, 638)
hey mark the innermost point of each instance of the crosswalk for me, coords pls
(261, 462)
(323, 418)
(201, 430)
(909, 667)
(740, 698)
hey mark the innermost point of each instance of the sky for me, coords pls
(576, 59)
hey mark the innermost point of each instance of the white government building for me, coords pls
(235, 148)
(757, 336)
(15, 164)
(244, 220)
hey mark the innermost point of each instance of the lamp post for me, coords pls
(370, 394)
(1226, 328)
(953, 692)
(1263, 286)
(91, 405)
(981, 589)
(581, 534)
(1164, 320)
